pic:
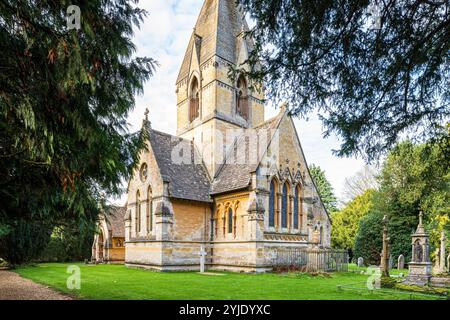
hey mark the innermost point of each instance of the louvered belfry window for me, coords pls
(194, 103)
(242, 98)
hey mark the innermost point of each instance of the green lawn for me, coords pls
(392, 272)
(119, 282)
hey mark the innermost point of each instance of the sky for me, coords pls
(164, 36)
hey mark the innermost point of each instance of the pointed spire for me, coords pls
(218, 24)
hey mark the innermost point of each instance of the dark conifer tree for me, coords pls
(65, 95)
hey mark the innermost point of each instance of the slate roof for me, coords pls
(187, 176)
(218, 25)
(235, 174)
(115, 216)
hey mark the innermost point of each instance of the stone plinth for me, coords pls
(419, 273)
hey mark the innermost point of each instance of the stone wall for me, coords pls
(191, 220)
(154, 184)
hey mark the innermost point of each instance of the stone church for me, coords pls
(230, 181)
(109, 242)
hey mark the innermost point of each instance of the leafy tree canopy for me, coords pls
(324, 188)
(369, 240)
(374, 70)
(414, 177)
(346, 221)
(64, 99)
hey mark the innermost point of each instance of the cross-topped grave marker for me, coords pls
(202, 254)
(385, 253)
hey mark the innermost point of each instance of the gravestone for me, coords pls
(202, 258)
(401, 262)
(391, 262)
(360, 262)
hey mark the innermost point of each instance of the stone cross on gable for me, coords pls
(202, 254)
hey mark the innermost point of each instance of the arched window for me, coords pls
(138, 212)
(194, 104)
(230, 220)
(242, 98)
(272, 201)
(149, 210)
(284, 206)
(296, 206)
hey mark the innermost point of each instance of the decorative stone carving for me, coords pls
(256, 210)
(418, 251)
(420, 266)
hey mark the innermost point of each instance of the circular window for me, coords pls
(143, 172)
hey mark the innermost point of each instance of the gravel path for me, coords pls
(14, 287)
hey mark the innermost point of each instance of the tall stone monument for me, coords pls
(420, 266)
(385, 253)
(448, 263)
(442, 254)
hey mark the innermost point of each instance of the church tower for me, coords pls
(212, 108)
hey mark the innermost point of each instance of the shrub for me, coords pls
(424, 289)
(24, 241)
(68, 244)
(388, 282)
(368, 241)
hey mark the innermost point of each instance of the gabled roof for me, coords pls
(215, 33)
(187, 176)
(236, 172)
(114, 217)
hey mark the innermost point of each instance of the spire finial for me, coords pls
(146, 123)
(284, 106)
(420, 218)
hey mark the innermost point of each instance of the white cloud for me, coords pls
(164, 36)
